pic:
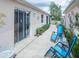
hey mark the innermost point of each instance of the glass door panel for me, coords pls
(28, 23)
(25, 19)
(16, 23)
(20, 25)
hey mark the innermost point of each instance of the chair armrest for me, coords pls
(55, 52)
(62, 44)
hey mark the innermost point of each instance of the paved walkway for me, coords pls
(39, 46)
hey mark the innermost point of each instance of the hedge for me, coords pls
(42, 29)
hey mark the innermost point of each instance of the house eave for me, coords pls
(72, 4)
(31, 6)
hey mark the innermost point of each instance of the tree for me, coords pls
(55, 11)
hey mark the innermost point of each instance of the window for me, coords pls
(42, 16)
(47, 19)
(70, 19)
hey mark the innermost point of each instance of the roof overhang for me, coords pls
(31, 6)
(72, 5)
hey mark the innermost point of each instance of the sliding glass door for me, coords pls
(21, 25)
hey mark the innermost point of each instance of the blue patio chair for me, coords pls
(54, 37)
(60, 30)
(61, 50)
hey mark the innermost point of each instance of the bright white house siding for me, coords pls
(71, 10)
(7, 31)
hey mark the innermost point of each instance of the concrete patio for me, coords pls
(39, 46)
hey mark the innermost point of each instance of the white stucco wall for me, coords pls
(7, 31)
(74, 11)
(35, 21)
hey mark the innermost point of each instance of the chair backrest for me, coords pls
(60, 29)
(71, 45)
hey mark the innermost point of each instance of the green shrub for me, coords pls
(77, 23)
(46, 26)
(42, 29)
(77, 16)
(55, 23)
(68, 34)
(75, 50)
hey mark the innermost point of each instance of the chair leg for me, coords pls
(53, 56)
(71, 56)
(47, 52)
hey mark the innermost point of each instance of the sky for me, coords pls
(44, 4)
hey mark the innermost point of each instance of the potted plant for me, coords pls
(68, 34)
